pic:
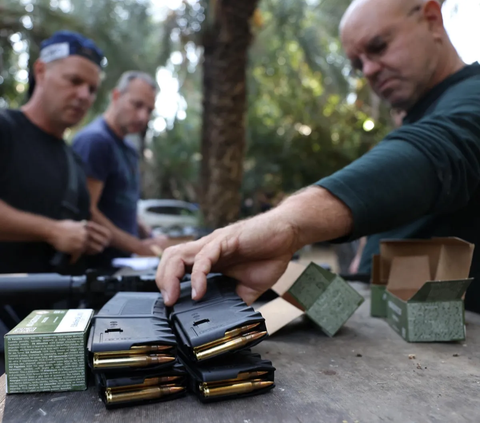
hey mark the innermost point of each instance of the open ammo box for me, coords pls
(426, 280)
(323, 296)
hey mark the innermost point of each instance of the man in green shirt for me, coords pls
(421, 181)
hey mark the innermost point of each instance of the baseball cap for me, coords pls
(68, 43)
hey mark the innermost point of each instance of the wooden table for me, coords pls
(362, 375)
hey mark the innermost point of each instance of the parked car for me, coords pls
(168, 215)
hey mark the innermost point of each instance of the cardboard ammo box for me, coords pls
(426, 282)
(323, 296)
(47, 352)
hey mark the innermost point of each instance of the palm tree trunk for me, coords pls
(226, 45)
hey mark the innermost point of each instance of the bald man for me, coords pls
(421, 181)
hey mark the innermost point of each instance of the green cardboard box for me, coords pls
(323, 296)
(46, 352)
(426, 282)
(378, 303)
(378, 294)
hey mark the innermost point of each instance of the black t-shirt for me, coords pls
(423, 179)
(33, 178)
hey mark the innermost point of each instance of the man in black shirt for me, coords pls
(34, 164)
(422, 181)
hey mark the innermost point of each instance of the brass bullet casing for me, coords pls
(131, 361)
(235, 389)
(224, 383)
(229, 345)
(228, 335)
(152, 381)
(239, 378)
(136, 349)
(141, 394)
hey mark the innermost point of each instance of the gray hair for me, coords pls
(129, 76)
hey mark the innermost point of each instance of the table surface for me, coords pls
(362, 375)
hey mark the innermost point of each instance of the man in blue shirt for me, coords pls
(112, 165)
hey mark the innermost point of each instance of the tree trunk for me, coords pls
(226, 44)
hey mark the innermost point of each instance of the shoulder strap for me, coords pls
(69, 208)
(70, 198)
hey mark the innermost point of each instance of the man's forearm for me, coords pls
(315, 216)
(17, 225)
(120, 239)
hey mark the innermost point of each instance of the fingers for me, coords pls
(202, 266)
(202, 255)
(98, 237)
(172, 268)
(79, 247)
(99, 230)
(95, 247)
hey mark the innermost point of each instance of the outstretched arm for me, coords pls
(255, 251)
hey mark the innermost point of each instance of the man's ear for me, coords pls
(39, 69)
(116, 94)
(432, 12)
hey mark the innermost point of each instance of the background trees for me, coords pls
(279, 111)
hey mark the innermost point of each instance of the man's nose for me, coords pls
(370, 68)
(144, 116)
(83, 92)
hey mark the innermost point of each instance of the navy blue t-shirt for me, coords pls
(115, 162)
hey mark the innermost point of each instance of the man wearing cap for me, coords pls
(421, 181)
(44, 202)
(112, 166)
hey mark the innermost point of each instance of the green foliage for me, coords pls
(127, 35)
(301, 126)
(176, 161)
(108, 22)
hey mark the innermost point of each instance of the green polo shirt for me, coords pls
(423, 179)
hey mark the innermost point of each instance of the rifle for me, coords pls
(93, 289)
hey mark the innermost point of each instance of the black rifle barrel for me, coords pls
(25, 287)
(49, 285)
